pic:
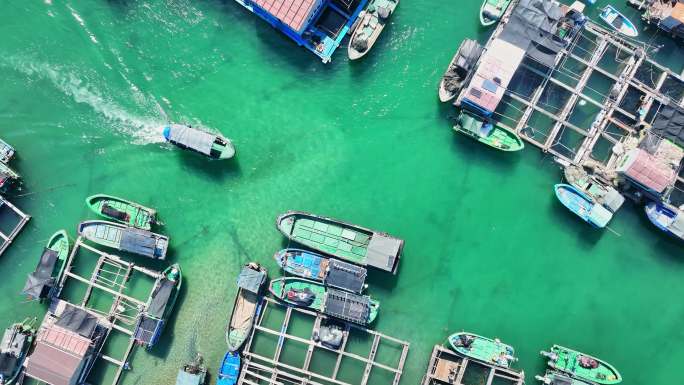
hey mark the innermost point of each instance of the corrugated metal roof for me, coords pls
(294, 13)
(57, 356)
(644, 168)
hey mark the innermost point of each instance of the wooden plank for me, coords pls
(371, 360)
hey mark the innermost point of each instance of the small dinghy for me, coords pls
(488, 133)
(552, 377)
(7, 176)
(491, 11)
(193, 373)
(331, 272)
(42, 283)
(618, 21)
(582, 205)
(460, 67)
(15, 344)
(6, 152)
(190, 138)
(122, 211)
(230, 369)
(369, 25)
(340, 304)
(159, 308)
(125, 238)
(582, 366)
(247, 305)
(491, 351)
(667, 218)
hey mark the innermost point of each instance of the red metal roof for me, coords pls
(294, 13)
(645, 169)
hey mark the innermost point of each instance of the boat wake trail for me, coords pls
(142, 129)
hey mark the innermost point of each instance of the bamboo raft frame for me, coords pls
(449, 368)
(258, 369)
(603, 41)
(7, 239)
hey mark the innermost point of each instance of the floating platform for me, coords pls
(12, 221)
(447, 367)
(317, 25)
(282, 350)
(668, 17)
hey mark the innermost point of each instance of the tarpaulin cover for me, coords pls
(139, 242)
(8, 363)
(345, 276)
(347, 306)
(193, 138)
(77, 320)
(669, 123)
(147, 329)
(160, 297)
(42, 276)
(251, 280)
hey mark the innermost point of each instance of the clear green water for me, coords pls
(85, 86)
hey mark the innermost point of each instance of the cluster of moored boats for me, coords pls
(566, 366)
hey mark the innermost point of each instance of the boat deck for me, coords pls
(282, 350)
(12, 221)
(111, 277)
(448, 367)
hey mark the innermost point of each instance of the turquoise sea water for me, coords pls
(87, 84)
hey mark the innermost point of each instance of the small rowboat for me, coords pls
(230, 369)
(490, 134)
(492, 10)
(159, 308)
(582, 205)
(490, 351)
(331, 272)
(666, 218)
(459, 69)
(359, 309)
(122, 211)
(125, 238)
(42, 283)
(6, 152)
(618, 21)
(210, 145)
(370, 24)
(247, 305)
(582, 366)
(14, 346)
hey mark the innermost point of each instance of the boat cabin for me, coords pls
(67, 345)
(205, 143)
(647, 172)
(143, 242)
(252, 280)
(345, 276)
(40, 282)
(318, 25)
(347, 306)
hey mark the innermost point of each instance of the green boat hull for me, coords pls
(482, 349)
(491, 11)
(135, 215)
(497, 137)
(582, 366)
(59, 242)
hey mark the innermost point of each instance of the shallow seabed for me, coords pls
(87, 84)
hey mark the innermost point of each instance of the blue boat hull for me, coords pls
(582, 206)
(230, 369)
(656, 213)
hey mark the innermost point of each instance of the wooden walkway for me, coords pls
(259, 368)
(10, 210)
(447, 367)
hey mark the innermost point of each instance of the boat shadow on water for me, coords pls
(584, 232)
(670, 247)
(212, 170)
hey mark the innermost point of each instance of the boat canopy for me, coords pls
(193, 138)
(343, 275)
(383, 252)
(185, 378)
(148, 330)
(347, 306)
(78, 321)
(599, 215)
(251, 280)
(41, 278)
(160, 298)
(613, 200)
(140, 242)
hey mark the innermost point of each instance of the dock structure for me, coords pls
(13, 221)
(667, 16)
(449, 368)
(265, 363)
(590, 102)
(66, 321)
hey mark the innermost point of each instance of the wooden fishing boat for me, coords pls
(597, 190)
(552, 377)
(6, 152)
(159, 307)
(14, 347)
(122, 211)
(336, 303)
(125, 238)
(582, 366)
(42, 283)
(492, 10)
(331, 272)
(618, 21)
(7, 176)
(490, 351)
(459, 69)
(193, 373)
(230, 369)
(369, 25)
(487, 133)
(667, 218)
(342, 240)
(247, 305)
(582, 205)
(189, 138)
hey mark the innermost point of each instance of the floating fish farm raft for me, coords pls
(12, 221)
(318, 25)
(447, 367)
(73, 334)
(596, 101)
(283, 349)
(667, 16)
